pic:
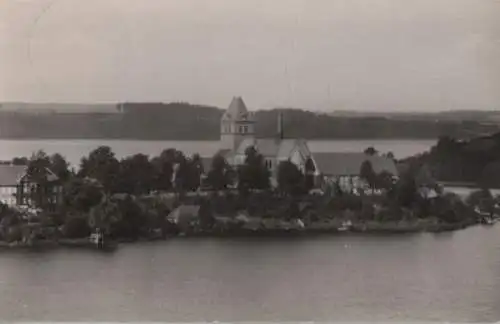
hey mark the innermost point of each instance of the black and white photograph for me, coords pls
(231, 161)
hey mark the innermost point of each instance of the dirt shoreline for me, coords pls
(368, 228)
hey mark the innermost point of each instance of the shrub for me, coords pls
(14, 234)
(76, 227)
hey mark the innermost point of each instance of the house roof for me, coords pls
(349, 163)
(11, 174)
(50, 176)
(237, 110)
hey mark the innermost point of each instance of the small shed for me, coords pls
(184, 216)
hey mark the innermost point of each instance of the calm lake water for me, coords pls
(428, 277)
(73, 150)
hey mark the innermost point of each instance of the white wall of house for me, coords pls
(8, 195)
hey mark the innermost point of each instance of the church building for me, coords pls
(237, 133)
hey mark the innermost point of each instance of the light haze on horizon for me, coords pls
(325, 55)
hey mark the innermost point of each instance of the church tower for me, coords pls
(236, 125)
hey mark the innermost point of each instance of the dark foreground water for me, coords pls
(437, 277)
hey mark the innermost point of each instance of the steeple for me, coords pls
(236, 124)
(237, 110)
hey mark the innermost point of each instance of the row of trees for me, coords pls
(110, 193)
(171, 170)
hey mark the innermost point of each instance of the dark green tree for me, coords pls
(132, 218)
(195, 172)
(406, 190)
(102, 165)
(220, 175)
(207, 220)
(371, 151)
(490, 175)
(367, 173)
(164, 169)
(104, 216)
(60, 167)
(81, 194)
(290, 178)
(384, 180)
(20, 161)
(137, 175)
(482, 199)
(310, 170)
(253, 174)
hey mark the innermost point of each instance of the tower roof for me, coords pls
(237, 110)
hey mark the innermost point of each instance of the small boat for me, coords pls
(97, 240)
(345, 226)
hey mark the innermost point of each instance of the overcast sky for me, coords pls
(314, 54)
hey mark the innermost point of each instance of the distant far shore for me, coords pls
(80, 138)
(182, 121)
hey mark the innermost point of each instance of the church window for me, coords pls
(269, 164)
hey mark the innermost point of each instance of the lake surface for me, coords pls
(73, 150)
(420, 277)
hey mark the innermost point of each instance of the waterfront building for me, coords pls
(343, 168)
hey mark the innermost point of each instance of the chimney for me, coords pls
(280, 125)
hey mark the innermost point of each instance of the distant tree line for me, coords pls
(475, 161)
(182, 121)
